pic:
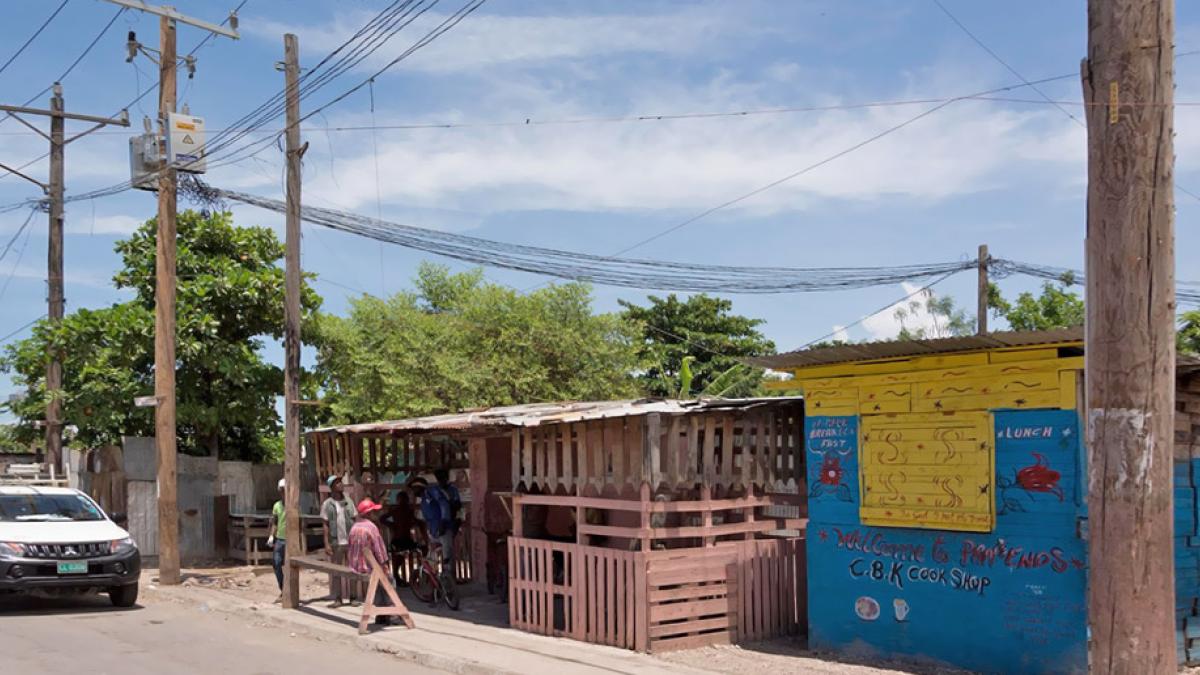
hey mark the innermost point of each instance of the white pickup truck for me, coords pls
(58, 539)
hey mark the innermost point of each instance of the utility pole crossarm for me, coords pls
(122, 121)
(171, 14)
(45, 187)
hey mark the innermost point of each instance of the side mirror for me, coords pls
(119, 518)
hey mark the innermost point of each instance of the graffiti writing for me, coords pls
(1013, 557)
(896, 573)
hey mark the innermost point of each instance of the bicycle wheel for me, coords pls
(449, 590)
(423, 584)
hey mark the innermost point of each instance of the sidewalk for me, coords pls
(451, 645)
(477, 639)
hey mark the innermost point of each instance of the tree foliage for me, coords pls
(229, 301)
(1056, 307)
(459, 342)
(1188, 334)
(705, 329)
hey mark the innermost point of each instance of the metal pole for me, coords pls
(291, 327)
(164, 328)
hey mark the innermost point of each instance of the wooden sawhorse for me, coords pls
(377, 577)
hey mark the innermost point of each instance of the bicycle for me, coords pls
(434, 581)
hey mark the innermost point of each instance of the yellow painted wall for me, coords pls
(927, 457)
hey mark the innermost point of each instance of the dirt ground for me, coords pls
(787, 656)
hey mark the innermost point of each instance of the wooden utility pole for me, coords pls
(54, 267)
(164, 290)
(1128, 86)
(291, 323)
(54, 283)
(164, 325)
(982, 300)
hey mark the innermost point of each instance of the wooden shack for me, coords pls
(646, 525)
(947, 499)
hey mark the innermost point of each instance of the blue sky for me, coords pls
(1008, 174)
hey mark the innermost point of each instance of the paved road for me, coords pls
(89, 637)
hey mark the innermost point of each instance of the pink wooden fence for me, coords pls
(658, 600)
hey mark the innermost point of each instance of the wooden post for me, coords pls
(54, 279)
(291, 326)
(982, 297)
(164, 327)
(1128, 86)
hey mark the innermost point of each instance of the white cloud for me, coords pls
(79, 221)
(840, 334)
(693, 164)
(483, 40)
(70, 277)
(886, 325)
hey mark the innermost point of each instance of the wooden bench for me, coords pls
(377, 577)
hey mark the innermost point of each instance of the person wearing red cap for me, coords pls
(365, 540)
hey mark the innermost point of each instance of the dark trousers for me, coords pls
(278, 558)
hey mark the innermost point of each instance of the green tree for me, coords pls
(458, 342)
(229, 301)
(1056, 307)
(1188, 334)
(705, 329)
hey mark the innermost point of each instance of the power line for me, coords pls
(6, 338)
(36, 33)
(606, 270)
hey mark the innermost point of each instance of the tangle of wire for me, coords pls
(369, 39)
(1186, 292)
(607, 270)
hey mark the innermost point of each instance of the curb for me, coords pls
(220, 602)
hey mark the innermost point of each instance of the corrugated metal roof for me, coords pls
(536, 414)
(873, 351)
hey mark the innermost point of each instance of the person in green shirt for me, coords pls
(277, 539)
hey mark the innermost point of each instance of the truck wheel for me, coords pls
(123, 596)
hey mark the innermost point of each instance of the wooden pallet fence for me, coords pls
(692, 599)
(771, 573)
(543, 586)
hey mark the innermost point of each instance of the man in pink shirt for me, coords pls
(365, 540)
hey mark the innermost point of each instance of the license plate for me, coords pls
(72, 568)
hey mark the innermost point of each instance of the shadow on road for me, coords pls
(20, 604)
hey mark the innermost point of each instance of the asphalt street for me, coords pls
(89, 637)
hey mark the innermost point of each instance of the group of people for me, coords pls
(352, 531)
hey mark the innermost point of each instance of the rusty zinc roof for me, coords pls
(895, 349)
(536, 414)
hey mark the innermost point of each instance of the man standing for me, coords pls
(337, 516)
(278, 529)
(440, 507)
(365, 540)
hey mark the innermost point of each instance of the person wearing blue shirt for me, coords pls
(441, 506)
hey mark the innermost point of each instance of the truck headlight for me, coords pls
(122, 545)
(12, 548)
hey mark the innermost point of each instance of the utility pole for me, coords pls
(164, 292)
(291, 324)
(54, 264)
(982, 300)
(164, 326)
(1128, 91)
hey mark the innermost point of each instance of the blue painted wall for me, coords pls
(1187, 562)
(1011, 601)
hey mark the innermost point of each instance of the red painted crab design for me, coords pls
(1040, 477)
